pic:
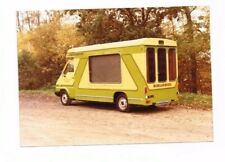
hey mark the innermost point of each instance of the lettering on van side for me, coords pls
(162, 85)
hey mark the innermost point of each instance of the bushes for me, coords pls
(42, 53)
(29, 71)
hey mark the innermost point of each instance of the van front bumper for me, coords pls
(57, 91)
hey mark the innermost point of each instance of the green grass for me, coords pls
(45, 90)
(192, 99)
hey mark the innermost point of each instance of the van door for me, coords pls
(68, 74)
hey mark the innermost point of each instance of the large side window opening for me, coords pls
(161, 64)
(172, 64)
(105, 69)
(150, 65)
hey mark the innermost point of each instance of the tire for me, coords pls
(64, 98)
(122, 103)
(153, 107)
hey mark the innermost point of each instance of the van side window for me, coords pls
(105, 68)
(69, 68)
(161, 64)
(150, 65)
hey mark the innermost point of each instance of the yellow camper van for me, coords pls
(140, 72)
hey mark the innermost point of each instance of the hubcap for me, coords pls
(64, 98)
(122, 103)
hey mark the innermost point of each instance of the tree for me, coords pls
(109, 25)
(48, 45)
(194, 43)
(47, 36)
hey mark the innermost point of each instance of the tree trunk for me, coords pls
(18, 21)
(28, 20)
(194, 73)
(38, 18)
(190, 37)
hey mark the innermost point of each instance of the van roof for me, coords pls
(136, 42)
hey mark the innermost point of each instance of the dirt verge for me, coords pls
(45, 122)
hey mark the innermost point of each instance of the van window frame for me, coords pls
(167, 48)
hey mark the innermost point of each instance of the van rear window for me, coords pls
(161, 64)
(150, 65)
(105, 68)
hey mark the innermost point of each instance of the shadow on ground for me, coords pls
(111, 107)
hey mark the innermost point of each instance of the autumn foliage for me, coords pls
(45, 36)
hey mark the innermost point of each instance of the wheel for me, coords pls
(64, 97)
(122, 103)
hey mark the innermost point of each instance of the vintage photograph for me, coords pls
(114, 76)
